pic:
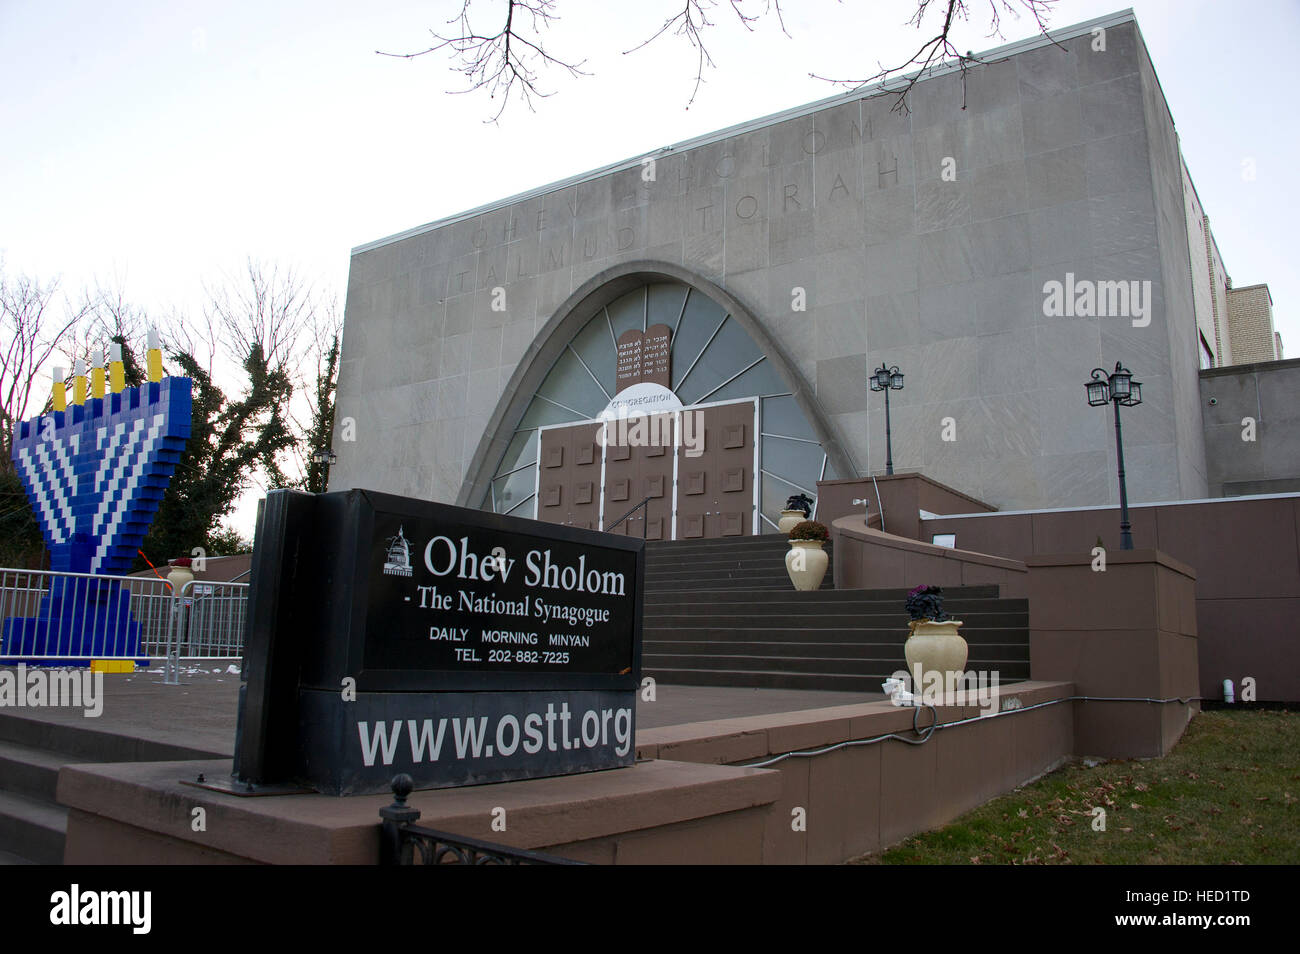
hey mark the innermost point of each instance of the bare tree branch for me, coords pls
(268, 308)
(507, 61)
(693, 19)
(940, 49)
(512, 59)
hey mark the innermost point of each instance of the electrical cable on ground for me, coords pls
(936, 725)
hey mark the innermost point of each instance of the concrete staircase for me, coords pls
(33, 826)
(724, 613)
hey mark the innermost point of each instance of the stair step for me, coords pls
(782, 617)
(33, 830)
(724, 613)
(81, 743)
(756, 628)
(891, 597)
(784, 680)
(686, 546)
(772, 564)
(729, 579)
(654, 662)
(33, 773)
(770, 680)
(777, 620)
(818, 644)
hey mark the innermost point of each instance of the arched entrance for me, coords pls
(731, 432)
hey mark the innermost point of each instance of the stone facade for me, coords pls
(926, 239)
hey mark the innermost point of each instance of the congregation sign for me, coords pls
(392, 635)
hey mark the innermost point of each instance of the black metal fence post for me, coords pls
(396, 816)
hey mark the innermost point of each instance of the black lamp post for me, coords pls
(1117, 387)
(325, 458)
(886, 379)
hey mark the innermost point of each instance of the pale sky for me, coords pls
(159, 144)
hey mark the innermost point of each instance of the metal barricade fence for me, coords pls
(206, 619)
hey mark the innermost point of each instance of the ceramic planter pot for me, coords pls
(178, 576)
(806, 563)
(789, 519)
(935, 647)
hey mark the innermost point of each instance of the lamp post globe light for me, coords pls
(1117, 387)
(885, 379)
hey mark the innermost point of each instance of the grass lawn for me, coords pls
(1227, 794)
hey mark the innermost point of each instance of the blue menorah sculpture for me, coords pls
(95, 475)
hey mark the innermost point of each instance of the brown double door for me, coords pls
(639, 465)
(695, 465)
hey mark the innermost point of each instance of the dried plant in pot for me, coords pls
(806, 561)
(934, 645)
(797, 509)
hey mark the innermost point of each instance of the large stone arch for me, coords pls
(573, 315)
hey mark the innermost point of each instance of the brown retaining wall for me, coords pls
(869, 559)
(692, 802)
(901, 497)
(1245, 552)
(1122, 630)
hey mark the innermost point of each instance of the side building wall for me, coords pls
(1252, 428)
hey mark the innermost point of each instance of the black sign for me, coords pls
(395, 635)
(460, 597)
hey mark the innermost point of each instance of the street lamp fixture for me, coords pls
(1117, 387)
(887, 379)
(326, 456)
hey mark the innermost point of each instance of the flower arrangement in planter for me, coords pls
(797, 509)
(934, 648)
(179, 574)
(810, 530)
(925, 602)
(806, 562)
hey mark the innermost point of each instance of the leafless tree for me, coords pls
(197, 338)
(511, 58)
(267, 307)
(32, 330)
(109, 316)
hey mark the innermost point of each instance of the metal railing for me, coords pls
(71, 616)
(401, 840)
(645, 518)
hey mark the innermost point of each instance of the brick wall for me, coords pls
(1250, 324)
